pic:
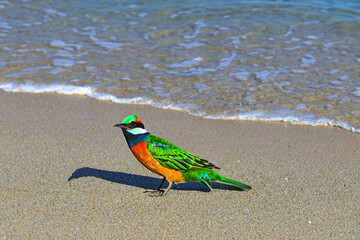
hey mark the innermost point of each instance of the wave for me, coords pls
(89, 91)
(281, 115)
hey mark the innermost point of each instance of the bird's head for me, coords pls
(132, 124)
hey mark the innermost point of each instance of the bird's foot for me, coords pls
(155, 193)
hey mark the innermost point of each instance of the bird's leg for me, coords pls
(159, 188)
(158, 192)
(166, 190)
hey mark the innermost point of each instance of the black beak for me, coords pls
(120, 125)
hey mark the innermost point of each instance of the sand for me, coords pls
(305, 179)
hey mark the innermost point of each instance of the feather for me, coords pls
(171, 156)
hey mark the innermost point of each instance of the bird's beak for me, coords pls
(120, 125)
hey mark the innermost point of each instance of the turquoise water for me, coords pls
(295, 61)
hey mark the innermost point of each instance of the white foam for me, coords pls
(290, 118)
(42, 88)
(80, 90)
(281, 115)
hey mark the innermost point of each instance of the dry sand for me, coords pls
(305, 179)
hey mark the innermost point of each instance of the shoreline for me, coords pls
(305, 179)
(259, 116)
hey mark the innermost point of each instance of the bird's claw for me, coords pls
(155, 193)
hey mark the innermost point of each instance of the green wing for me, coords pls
(173, 157)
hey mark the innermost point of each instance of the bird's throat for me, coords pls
(133, 139)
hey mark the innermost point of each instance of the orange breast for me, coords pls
(142, 154)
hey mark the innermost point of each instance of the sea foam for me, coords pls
(290, 118)
(68, 90)
(81, 90)
(281, 115)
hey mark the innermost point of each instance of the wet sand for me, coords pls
(305, 179)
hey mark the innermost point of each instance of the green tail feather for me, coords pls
(207, 175)
(235, 183)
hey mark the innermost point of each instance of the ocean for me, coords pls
(292, 61)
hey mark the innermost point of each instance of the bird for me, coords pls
(168, 160)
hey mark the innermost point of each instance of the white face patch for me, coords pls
(136, 131)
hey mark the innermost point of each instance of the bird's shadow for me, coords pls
(144, 181)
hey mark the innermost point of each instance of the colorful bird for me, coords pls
(166, 159)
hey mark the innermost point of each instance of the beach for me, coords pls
(66, 173)
(288, 61)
